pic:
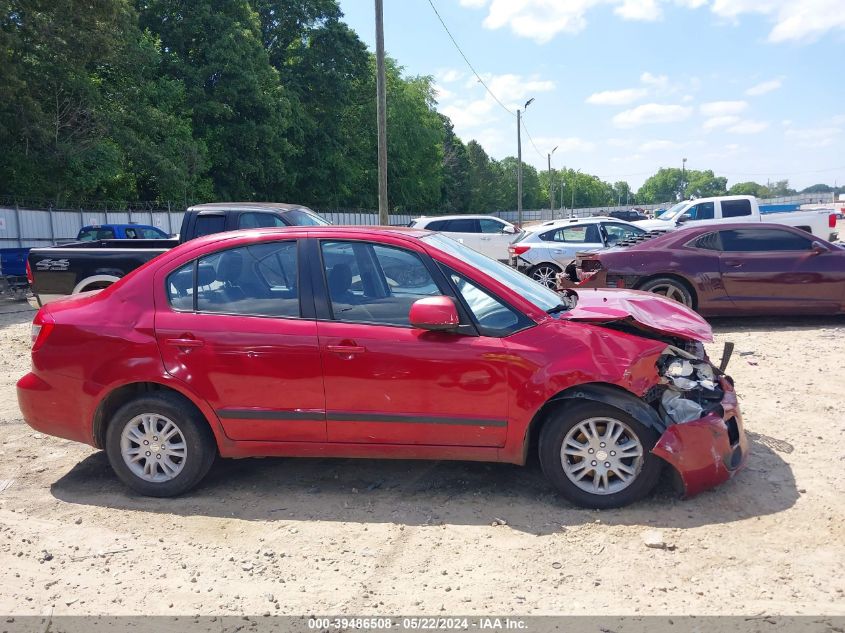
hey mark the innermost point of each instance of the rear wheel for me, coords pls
(597, 456)
(159, 446)
(546, 274)
(671, 289)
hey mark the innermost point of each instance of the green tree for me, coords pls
(482, 179)
(704, 184)
(455, 190)
(240, 111)
(749, 188)
(622, 193)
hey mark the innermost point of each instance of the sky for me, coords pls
(752, 89)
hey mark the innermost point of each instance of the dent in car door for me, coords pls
(239, 331)
(389, 383)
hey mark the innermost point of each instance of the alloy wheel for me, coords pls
(546, 275)
(601, 455)
(671, 291)
(153, 447)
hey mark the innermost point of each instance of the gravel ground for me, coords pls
(302, 536)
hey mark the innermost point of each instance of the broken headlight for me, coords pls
(692, 387)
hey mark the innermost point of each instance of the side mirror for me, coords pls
(684, 218)
(436, 314)
(509, 230)
(817, 248)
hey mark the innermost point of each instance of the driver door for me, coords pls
(387, 382)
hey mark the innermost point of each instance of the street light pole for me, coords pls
(551, 186)
(381, 117)
(683, 178)
(519, 163)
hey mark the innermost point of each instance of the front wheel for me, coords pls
(597, 456)
(159, 446)
(545, 274)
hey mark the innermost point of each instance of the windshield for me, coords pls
(531, 290)
(674, 212)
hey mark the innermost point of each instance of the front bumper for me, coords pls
(708, 451)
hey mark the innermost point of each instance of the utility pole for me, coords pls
(381, 117)
(551, 186)
(683, 178)
(519, 163)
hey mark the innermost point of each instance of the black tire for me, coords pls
(671, 288)
(199, 445)
(565, 419)
(545, 274)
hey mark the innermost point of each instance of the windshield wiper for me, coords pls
(561, 307)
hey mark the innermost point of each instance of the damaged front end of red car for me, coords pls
(704, 440)
(693, 401)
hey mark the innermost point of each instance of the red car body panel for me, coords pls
(345, 389)
(728, 283)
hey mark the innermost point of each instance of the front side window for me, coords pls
(491, 226)
(763, 239)
(493, 317)
(374, 283)
(152, 234)
(701, 211)
(620, 232)
(95, 233)
(259, 221)
(258, 280)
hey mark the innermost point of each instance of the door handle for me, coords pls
(184, 342)
(733, 263)
(346, 349)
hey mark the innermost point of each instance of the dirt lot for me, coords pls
(366, 537)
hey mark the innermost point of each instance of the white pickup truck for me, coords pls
(723, 209)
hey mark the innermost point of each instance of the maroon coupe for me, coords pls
(732, 269)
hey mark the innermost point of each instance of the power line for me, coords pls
(528, 134)
(474, 72)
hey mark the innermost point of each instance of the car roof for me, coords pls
(248, 206)
(460, 216)
(552, 224)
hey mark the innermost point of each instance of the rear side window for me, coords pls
(437, 225)
(152, 234)
(209, 224)
(710, 242)
(763, 240)
(301, 217)
(735, 208)
(258, 280)
(259, 221)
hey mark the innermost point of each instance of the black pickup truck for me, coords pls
(57, 271)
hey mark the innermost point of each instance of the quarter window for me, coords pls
(259, 221)
(373, 283)
(762, 240)
(209, 224)
(258, 280)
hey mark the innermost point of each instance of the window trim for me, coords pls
(771, 251)
(304, 294)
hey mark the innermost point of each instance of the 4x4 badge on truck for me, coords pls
(52, 264)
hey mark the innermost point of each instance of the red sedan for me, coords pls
(365, 342)
(727, 269)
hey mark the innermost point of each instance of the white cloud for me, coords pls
(764, 87)
(542, 20)
(652, 113)
(449, 75)
(617, 97)
(748, 127)
(723, 108)
(814, 137)
(657, 81)
(565, 144)
(639, 10)
(720, 121)
(443, 94)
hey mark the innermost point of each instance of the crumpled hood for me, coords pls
(644, 309)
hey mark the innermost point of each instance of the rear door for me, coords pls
(774, 270)
(564, 242)
(390, 383)
(237, 327)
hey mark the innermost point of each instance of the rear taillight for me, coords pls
(590, 265)
(42, 325)
(28, 273)
(831, 221)
(518, 249)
